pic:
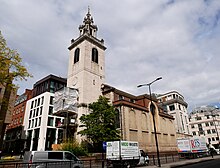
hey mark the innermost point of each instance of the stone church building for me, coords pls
(86, 72)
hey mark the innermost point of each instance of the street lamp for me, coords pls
(152, 109)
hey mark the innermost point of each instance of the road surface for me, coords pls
(215, 163)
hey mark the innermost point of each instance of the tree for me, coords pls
(100, 123)
(11, 69)
(10, 63)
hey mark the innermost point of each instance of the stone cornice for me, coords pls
(166, 115)
(136, 106)
(176, 100)
(91, 39)
(129, 104)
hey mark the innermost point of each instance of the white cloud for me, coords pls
(178, 40)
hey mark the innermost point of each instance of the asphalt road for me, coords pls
(206, 164)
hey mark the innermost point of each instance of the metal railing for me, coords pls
(95, 163)
(85, 163)
(164, 159)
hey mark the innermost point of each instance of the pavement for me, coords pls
(185, 162)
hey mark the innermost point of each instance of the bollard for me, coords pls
(90, 163)
(153, 160)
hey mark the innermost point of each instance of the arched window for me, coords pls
(144, 122)
(76, 55)
(95, 55)
(132, 119)
(117, 119)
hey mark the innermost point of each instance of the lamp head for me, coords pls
(139, 86)
(159, 78)
(148, 84)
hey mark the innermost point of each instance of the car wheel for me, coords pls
(127, 165)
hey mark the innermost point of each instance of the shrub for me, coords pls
(74, 147)
(8, 158)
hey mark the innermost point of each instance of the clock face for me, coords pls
(75, 80)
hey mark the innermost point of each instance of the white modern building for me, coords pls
(205, 121)
(40, 125)
(175, 105)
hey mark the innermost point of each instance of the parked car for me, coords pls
(51, 159)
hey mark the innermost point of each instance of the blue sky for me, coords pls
(176, 39)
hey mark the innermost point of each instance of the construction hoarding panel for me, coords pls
(66, 99)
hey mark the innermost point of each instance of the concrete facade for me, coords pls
(174, 104)
(40, 125)
(205, 121)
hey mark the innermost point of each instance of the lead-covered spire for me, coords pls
(88, 28)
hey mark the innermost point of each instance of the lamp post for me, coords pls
(152, 109)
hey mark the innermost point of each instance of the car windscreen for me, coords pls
(70, 156)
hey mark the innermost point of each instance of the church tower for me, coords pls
(86, 71)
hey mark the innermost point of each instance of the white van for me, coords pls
(51, 159)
